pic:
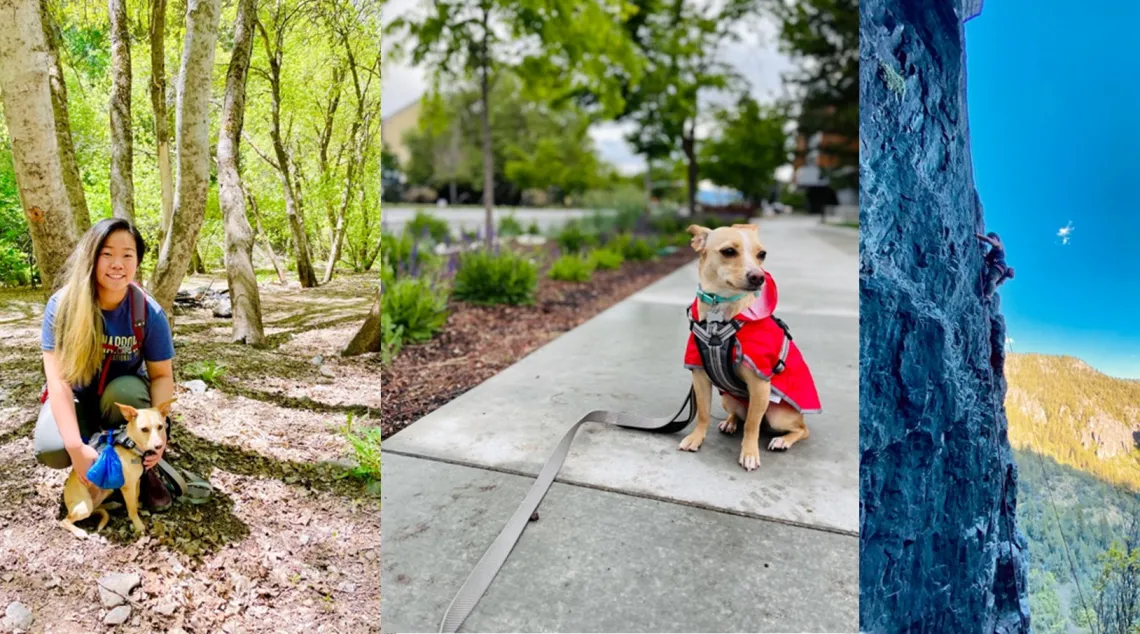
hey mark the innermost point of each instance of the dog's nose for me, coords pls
(755, 278)
(158, 447)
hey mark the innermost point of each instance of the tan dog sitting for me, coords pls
(751, 357)
(147, 429)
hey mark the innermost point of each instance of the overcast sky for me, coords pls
(755, 57)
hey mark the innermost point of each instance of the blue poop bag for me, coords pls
(107, 471)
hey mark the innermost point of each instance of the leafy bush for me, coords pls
(366, 447)
(434, 227)
(509, 226)
(607, 259)
(391, 338)
(681, 239)
(573, 239)
(407, 255)
(572, 268)
(533, 228)
(633, 249)
(14, 270)
(629, 216)
(209, 371)
(416, 306)
(669, 223)
(489, 278)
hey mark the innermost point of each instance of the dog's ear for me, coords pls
(700, 237)
(129, 412)
(164, 408)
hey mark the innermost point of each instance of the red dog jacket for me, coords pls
(760, 341)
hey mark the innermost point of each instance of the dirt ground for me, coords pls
(290, 541)
(479, 341)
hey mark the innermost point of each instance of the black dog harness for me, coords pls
(716, 342)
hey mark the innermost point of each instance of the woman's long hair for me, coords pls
(78, 319)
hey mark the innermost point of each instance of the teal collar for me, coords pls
(713, 299)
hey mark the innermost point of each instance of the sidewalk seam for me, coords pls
(656, 498)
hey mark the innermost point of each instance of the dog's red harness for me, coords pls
(136, 297)
(759, 339)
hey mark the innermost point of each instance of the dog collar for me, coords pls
(714, 299)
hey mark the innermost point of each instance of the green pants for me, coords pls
(93, 417)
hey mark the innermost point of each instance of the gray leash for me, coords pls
(484, 572)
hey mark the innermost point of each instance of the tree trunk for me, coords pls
(196, 266)
(71, 177)
(648, 183)
(122, 143)
(25, 87)
(305, 272)
(244, 294)
(158, 104)
(267, 246)
(689, 146)
(192, 138)
(367, 339)
(488, 157)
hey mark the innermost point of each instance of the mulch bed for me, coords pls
(480, 341)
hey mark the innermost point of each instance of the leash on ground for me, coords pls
(488, 566)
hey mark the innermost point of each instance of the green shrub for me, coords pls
(488, 278)
(436, 228)
(572, 268)
(573, 239)
(633, 249)
(391, 338)
(366, 447)
(682, 239)
(14, 270)
(668, 223)
(533, 228)
(209, 371)
(416, 306)
(607, 259)
(627, 215)
(408, 255)
(509, 226)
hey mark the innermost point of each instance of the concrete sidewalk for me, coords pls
(636, 535)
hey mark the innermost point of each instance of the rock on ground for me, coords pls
(940, 546)
(116, 587)
(118, 616)
(18, 617)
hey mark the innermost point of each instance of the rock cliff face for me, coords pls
(940, 550)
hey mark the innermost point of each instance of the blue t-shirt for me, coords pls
(117, 331)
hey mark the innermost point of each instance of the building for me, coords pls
(395, 126)
(815, 168)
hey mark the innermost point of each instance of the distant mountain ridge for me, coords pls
(1060, 407)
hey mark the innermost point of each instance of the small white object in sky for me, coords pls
(1065, 232)
(1009, 342)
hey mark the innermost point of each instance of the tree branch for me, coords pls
(263, 155)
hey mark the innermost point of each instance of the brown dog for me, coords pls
(732, 263)
(147, 429)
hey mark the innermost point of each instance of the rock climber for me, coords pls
(996, 271)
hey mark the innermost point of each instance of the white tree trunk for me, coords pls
(122, 142)
(158, 104)
(71, 177)
(192, 138)
(25, 72)
(244, 293)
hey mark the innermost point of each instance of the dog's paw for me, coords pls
(692, 442)
(778, 444)
(750, 458)
(728, 425)
(139, 528)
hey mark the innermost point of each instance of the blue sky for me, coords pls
(1055, 133)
